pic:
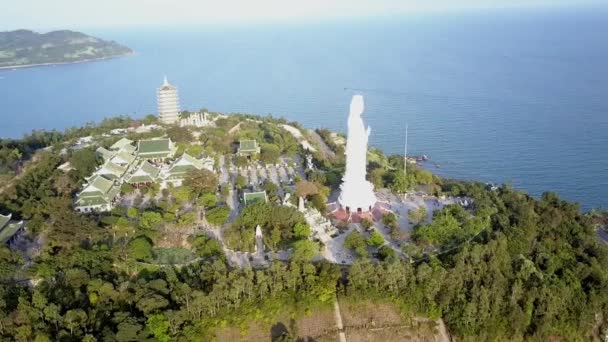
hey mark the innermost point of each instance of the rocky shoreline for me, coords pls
(24, 66)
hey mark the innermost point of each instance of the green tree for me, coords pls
(417, 216)
(132, 212)
(272, 190)
(356, 242)
(301, 230)
(83, 162)
(240, 182)
(126, 189)
(201, 181)
(218, 215)
(207, 200)
(270, 154)
(183, 194)
(376, 239)
(306, 188)
(387, 254)
(159, 326)
(140, 249)
(206, 246)
(304, 251)
(150, 220)
(241, 161)
(179, 134)
(366, 224)
(75, 320)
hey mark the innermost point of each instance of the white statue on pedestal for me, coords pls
(258, 240)
(356, 193)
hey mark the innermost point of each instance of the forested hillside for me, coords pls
(24, 47)
(533, 270)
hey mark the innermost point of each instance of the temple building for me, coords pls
(104, 154)
(356, 193)
(110, 171)
(177, 172)
(145, 174)
(248, 147)
(168, 103)
(99, 194)
(156, 149)
(120, 144)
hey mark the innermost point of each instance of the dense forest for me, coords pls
(519, 269)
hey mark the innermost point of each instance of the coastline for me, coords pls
(25, 66)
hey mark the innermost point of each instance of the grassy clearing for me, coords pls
(316, 325)
(165, 256)
(384, 321)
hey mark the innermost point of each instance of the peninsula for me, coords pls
(234, 227)
(24, 48)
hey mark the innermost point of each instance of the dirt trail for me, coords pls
(324, 148)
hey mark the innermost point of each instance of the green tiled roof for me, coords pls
(9, 231)
(125, 156)
(97, 198)
(248, 146)
(146, 172)
(140, 179)
(104, 153)
(154, 146)
(128, 148)
(155, 155)
(88, 201)
(121, 143)
(101, 183)
(182, 165)
(181, 169)
(111, 170)
(190, 159)
(149, 169)
(4, 220)
(253, 197)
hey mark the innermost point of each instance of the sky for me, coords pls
(55, 14)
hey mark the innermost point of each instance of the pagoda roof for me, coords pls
(98, 184)
(111, 170)
(145, 172)
(97, 197)
(155, 148)
(121, 143)
(187, 163)
(123, 157)
(128, 148)
(248, 146)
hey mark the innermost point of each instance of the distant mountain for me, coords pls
(24, 48)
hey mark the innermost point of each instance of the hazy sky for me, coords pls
(51, 14)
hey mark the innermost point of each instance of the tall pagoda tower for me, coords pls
(168, 103)
(356, 193)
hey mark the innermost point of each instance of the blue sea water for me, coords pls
(516, 96)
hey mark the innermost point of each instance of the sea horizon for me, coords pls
(515, 96)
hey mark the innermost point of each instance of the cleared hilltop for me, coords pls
(28, 48)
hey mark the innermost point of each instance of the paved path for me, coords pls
(339, 321)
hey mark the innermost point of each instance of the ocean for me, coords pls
(517, 96)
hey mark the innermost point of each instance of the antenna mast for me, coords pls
(405, 155)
